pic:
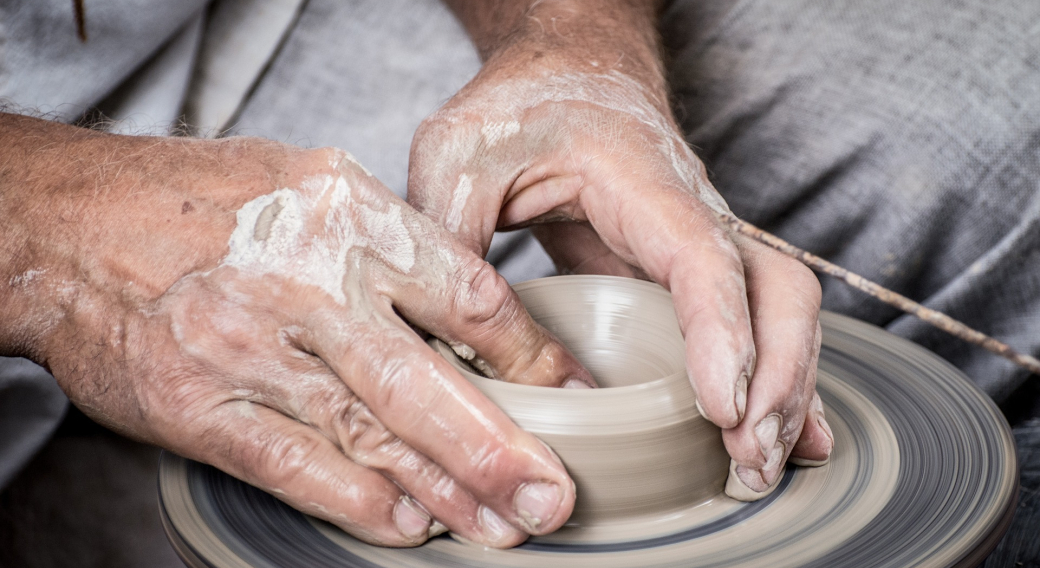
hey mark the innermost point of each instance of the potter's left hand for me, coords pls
(246, 303)
(567, 129)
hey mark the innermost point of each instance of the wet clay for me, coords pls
(637, 448)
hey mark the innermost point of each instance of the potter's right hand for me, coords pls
(244, 303)
(567, 129)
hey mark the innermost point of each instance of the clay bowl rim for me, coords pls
(651, 404)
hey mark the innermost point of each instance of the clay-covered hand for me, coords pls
(244, 303)
(567, 129)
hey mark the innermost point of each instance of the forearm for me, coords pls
(29, 165)
(593, 36)
(81, 211)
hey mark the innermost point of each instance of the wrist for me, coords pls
(29, 264)
(85, 213)
(581, 37)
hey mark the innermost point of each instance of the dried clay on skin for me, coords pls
(611, 90)
(459, 197)
(495, 132)
(25, 278)
(272, 235)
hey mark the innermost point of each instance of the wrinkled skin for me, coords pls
(174, 304)
(584, 150)
(247, 303)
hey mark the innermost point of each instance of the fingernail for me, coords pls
(752, 479)
(410, 520)
(747, 484)
(740, 395)
(576, 384)
(697, 403)
(495, 527)
(823, 422)
(760, 480)
(767, 431)
(774, 465)
(462, 539)
(437, 529)
(826, 430)
(817, 404)
(536, 502)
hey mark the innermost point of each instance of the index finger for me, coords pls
(679, 244)
(442, 285)
(419, 397)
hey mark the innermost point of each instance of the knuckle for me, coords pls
(330, 160)
(176, 399)
(332, 153)
(395, 380)
(443, 143)
(284, 457)
(208, 322)
(726, 248)
(327, 157)
(482, 294)
(363, 437)
(428, 141)
(431, 126)
(178, 395)
(782, 272)
(490, 466)
(804, 282)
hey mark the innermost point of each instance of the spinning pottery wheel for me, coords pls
(923, 471)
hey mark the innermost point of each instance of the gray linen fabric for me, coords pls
(361, 75)
(45, 68)
(898, 139)
(31, 406)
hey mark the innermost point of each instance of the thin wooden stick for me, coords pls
(81, 19)
(938, 319)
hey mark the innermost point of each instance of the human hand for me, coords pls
(560, 133)
(244, 303)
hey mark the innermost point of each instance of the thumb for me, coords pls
(458, 179)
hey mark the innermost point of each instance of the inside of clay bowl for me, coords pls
(637, 448)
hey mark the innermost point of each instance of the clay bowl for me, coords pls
(637, 448)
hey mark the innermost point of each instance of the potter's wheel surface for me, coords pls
(923, 474)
